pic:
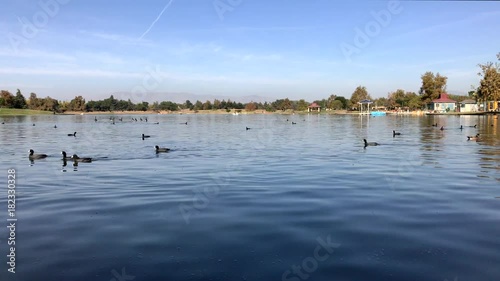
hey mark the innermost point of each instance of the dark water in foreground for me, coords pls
(277, 202)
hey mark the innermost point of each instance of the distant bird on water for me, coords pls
(161, 149)
(72, 135)
(461, 127)
(476, 137)
(394, 133)
(442, 128)
(145, 137)
(33, 124)
(36, 156)
(435, 125)
(55, 126)
(64, 155)
(369, 143)
(95, 118)
(78, 159)
(248, 128)
(293, 123)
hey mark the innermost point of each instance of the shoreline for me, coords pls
(27, 112)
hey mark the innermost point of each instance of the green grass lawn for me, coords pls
(14, 111)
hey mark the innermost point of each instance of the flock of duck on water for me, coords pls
(394, 134)
(76, 159)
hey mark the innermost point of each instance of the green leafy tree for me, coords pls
(432, 86)
(302, 105)
(207, 105)
(336, 105)
(217, 104)
(413, 101)
(198, 105)
(7, 99)
(397, 98)
(19, 101)
(77, 104)
(489, 89)
(343, 100)
(359, 94)
(168, 105)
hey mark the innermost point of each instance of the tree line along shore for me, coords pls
(432, 86)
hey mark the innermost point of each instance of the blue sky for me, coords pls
(274, 49)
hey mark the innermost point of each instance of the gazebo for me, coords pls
(364, 104)
(313, 107)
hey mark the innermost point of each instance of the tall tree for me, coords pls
(413, 101)
(343, 100)
(397, 98)
(7, 99)
(489, 88)
(359, 94)
(19, 101)
(432, 86)
(302, 105)
(251, 106)
(330, 100)
(77, 104)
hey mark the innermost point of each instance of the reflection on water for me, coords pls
(228, 203)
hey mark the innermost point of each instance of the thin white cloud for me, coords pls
(437, 28)
(32, 53)
(255, 57)
(122, 39)
(70, 72)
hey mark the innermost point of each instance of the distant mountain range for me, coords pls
(182, 97)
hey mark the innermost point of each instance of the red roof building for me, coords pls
(313, 107)
(443, 98)
(442, 104)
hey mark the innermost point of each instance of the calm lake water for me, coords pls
(276, 202)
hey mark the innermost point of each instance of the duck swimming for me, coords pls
(370, 143)
(83, 160)
(145, 137)
(64, 156)
(36, 156)
(161, 149)
(476, 137)
(72, 135)
(394, 133)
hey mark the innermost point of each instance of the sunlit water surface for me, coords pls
(228, 203)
